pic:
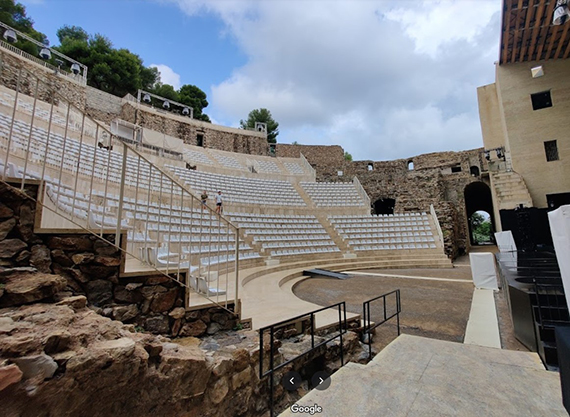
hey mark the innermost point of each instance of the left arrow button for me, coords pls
(291, 381)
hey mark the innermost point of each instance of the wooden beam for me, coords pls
(526, 30)
(561, 42)
(554, 31)
(567, 52)
(517, 34)
(535, 30)
(545, 29)
(506, 29)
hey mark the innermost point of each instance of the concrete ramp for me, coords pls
(417, 376)
(325, 273)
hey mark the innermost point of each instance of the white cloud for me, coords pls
(433, 23)
(384, 79)
(168, 76)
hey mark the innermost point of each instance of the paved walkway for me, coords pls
(417, 376)
(483, 325)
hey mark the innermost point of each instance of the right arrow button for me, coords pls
(321, 380)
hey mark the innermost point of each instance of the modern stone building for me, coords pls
(524, 114)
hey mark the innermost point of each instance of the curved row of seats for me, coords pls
(240, 190)
(283, 235)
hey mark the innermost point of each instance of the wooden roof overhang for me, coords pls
(528, 33)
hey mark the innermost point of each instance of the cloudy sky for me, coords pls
(383, 79)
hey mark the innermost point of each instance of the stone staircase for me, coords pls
(417, 376)
(510, 190)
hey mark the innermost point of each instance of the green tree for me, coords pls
(115, 71)
(347, 157)
(481, 227)
(195, 98)
(166, 91)
(262, 116)
(14, 15)
(71, 33)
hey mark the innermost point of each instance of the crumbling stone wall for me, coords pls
(327, 160)
(10, 67)
(215, 137)
(65, 359)
(91, 267)
(101, 105)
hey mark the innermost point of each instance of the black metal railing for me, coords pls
(367, 322)
(276, 327)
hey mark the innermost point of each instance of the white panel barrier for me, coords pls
(483, 270)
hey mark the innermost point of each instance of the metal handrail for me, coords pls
(276, 326)
(367, 322)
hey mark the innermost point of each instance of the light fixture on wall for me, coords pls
(561, 12)
(166, 105)
(10, 36)
(45, 53)
(75, 69)
(185, 111)
(146, 98)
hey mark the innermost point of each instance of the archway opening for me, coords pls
(384, 206)
(479, 210)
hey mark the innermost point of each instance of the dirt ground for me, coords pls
(436, 309)
(430, 308)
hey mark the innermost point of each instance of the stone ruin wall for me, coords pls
(214, 137)
(430, 182)
(11, 65)
(326, 160)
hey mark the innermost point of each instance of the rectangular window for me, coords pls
(551, 150)
(541, 100)
(456, 169)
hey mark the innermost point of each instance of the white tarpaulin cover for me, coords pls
(173, 144)
(150, 137)
(505, 241)
(483, 270)
(560, 228)
(160, 140)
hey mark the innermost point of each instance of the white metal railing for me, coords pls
(97, 183)
(81, 78)
(142, 94)
(361, 191)
(437, 225)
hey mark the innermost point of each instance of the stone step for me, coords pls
(417, 376)
(512, 194)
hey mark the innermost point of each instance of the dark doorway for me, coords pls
(474, 171)
(200, 140)
(384, 206)
(556, 200)
(478, 199)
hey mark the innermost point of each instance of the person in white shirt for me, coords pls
(219, 208)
